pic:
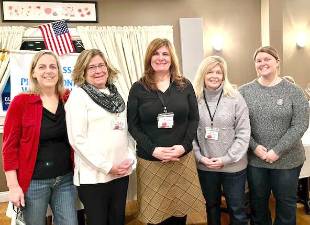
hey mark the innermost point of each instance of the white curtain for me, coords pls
(10, 39)
(124, 47)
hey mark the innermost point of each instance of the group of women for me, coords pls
(193, 144)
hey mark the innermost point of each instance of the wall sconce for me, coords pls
(217, 42)
(301, 39)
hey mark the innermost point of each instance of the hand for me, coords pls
(176, 153)
(16, 196)
(261, 152)
(213, 163)
(216, 163)
(271, 156)
(165, 154)
(206, 161)
(178, 150)
(122, 169)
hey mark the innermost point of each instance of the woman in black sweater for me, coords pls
(163, 118)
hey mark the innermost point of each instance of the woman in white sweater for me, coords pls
(97, 131)
(223, 136)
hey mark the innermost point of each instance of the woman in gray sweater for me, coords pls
(279, 114)
(222, 141)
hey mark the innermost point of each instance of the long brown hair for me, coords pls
(148, 77)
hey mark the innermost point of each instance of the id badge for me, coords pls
(118, 123)
(212, 133)
(165, 120)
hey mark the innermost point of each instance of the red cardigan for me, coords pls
(21, 136)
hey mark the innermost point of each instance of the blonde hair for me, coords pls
(148, 77)
(81, 65)
(205, 66)
(34, 86)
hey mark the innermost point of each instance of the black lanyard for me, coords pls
(162, 100)
(218, 101)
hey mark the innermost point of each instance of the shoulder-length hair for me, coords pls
(148, 77)
(205, 66)
(81, 66)
(34, 86)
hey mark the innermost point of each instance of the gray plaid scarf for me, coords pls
(113, 102)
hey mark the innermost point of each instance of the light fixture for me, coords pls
(217, 42)
(301, 39)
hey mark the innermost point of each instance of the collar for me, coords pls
(215, 92)
(34, 98)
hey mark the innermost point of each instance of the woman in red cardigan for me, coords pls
(36, 151)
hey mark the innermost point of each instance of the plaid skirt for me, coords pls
(168, 189)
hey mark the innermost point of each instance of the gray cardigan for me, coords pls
(279, 117)
(232, 119)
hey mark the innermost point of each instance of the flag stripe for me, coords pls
(67, 41)
(46, 42)
(62, 44)
(47, 37)
(52, 39)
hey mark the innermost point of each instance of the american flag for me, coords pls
(57, 37)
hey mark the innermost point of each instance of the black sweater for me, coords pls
(143, 108)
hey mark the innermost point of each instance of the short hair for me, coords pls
(148, 76)
(34, 85)
(269, 50)
(205, 66)
(81, 65)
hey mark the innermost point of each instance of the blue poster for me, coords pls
(5, 96)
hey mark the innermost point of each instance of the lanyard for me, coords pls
(218, 101)
(162, 100)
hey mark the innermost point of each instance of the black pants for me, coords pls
(105, 203)
(173, 221)
(233, 186)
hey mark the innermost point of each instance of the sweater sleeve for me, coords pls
(77, 122)
(196, 150)
(12, 132)
(193, 119)
(242, 133)
(299, 123)
(252, 144)
(132, 150)
(133, 120)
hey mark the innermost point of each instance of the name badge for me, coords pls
(212, 133)
(165, 120)
(118, 123)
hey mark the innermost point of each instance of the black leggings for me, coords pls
(173, 221)
(105, 203)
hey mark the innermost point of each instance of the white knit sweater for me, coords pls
(97, 146)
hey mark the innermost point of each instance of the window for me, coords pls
(39, 45)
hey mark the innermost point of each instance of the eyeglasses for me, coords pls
(93, 68)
